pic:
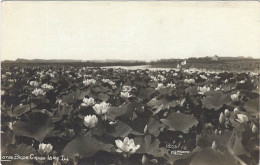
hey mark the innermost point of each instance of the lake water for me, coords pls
(166, 69)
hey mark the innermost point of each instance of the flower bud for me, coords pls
(214, 145)
(154, 161)
(145, 129)
(144, 160)
(227, 113)
(236, 111)
(222, 118)
(216, 131)
(254, 129)
(242, 118)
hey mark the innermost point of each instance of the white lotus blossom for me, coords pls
(45, 148)
(126, 146)
(203, 90)
(171, 85)
(101, 108)
(34, 83)
(125, 94)
(89, 82)
(175, 74)
(46, 86)
(112, 83)
(222, 118)
(242, 81)
(160, 86)
(236, 111)
(105, 80)
(87, 76)
(90, 121)
(189, 81)
(203, 77)
(38, 92)
(161, 78)
(227, 113)
(241, 118)
(214, 145)
(184, 63)
(217, 88)
(254, 129)
(235, 97)
(153, 78)
(88, 102)
(126, 89)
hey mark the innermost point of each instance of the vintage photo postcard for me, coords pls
(130, 82)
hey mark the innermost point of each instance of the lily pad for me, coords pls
(85, 146)
(252, 106)
(38, 126)
(180, 122)
(215, 100)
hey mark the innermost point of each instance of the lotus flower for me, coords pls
(90, 121)
(88, 102)
(101, 108)
(153, 78)
(126, 89)
(125, 94)
(160, 86)
(254, 129)
(46, 86)
(235, 97)
(171, 85)
(189, 81)
(222, 118)
(105, 80)
(203, 90)
(184, 63)
(38, 92)
(126, 146)
(114, 87)
(236, 111)
(214, 145)
(203, 77)
(144, 160)
(161, 78)
(111, 83)
(241, 118)
(89, 82)
(45, 148)
(34, 83)
(227, 113)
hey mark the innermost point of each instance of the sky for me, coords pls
(129, 30)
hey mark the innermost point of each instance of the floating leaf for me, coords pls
(85, 146)
(38, 126)
(148, 145)
(74, 96)
(209, 156)
(180, 122)
(252, 106)
(145, 93)
(215, 100)
(166, 103)
(22, 150)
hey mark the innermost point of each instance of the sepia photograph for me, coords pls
(130, 82)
